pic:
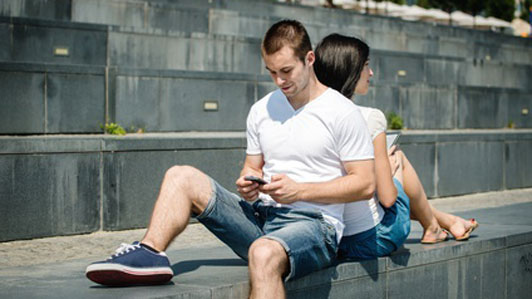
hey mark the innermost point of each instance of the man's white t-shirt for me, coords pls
(308, 144)
(360, 216)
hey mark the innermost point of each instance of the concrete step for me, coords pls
(251, 19)
(71, 184)
(495, 262)
(69, 43)
(67, 99)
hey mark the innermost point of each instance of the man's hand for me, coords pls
(282, 189)
(248, 190)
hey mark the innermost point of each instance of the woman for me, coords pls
(342, 63)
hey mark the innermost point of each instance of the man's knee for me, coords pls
(191, 182)
(181, 173)
(267, 254)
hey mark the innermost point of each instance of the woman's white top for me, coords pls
(360, 216)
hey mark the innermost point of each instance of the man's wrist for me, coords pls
(302, 192)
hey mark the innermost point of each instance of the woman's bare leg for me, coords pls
(419, 206)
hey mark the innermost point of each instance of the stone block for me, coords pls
(35, 144)
(469, 167)
(476, 276)
(229, 22)
(400, 68)
(36, 43)
(453, 46)
(422, 157)
(75, 103)
(132, 180)
(109, 12)
(516, 53)
(481, 108)
(49, 195)
(22, 108)
(483, 73)
(5, 41)
(379, 38)
(364, 287)
(176, 18)
(444, 71)
(41, 9)
(264, 88)
(177, 104)
(385, 97)
(421, 44)
(517, 101)
(518, 164)
(420, 282)
(519, 271)
(428, 107)
(515, 76)
(182, 52)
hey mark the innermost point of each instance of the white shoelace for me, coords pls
(125, 248)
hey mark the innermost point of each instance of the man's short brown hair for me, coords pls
(287, 33)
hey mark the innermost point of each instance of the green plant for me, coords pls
(511, 124)
(135, 129)
(395, 122)
(114, 129)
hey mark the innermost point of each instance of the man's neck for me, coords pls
(309, 94)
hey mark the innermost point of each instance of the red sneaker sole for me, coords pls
(119, 278)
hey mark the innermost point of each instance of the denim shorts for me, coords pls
(309, 241)
(385, 237)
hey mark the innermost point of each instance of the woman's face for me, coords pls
(363, 83)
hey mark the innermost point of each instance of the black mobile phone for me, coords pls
(392, 138)
(255, 179)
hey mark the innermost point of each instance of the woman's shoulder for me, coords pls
(371, 113)
(375, 120)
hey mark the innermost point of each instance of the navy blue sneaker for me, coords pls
(131, 265)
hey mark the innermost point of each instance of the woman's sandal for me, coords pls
(467, 234)
(437, 240)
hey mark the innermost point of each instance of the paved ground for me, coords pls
(100, 245)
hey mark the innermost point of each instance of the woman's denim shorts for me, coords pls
(385, 237)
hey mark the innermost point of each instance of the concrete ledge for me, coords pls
(56, 98)
(119, 177)
(494, 263)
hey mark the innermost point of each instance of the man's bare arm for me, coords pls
(357, 184)
(252, 166)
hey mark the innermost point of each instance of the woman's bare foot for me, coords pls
(461, 228)
(434, 235)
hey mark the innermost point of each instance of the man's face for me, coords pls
(289, 73)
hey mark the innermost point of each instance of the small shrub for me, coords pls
(134, 129)
(114, 129)
(395, 122)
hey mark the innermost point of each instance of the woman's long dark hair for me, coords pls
(339, 61)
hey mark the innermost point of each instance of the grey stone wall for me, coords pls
(76, 184)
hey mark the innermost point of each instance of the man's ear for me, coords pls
(310, 58)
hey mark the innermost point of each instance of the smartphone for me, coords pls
(255, 179)
(392, 138)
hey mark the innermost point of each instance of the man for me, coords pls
(313, 146)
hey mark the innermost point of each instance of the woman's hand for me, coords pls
(394, 162)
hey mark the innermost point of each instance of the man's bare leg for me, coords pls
(184, 190)
(268, 262)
